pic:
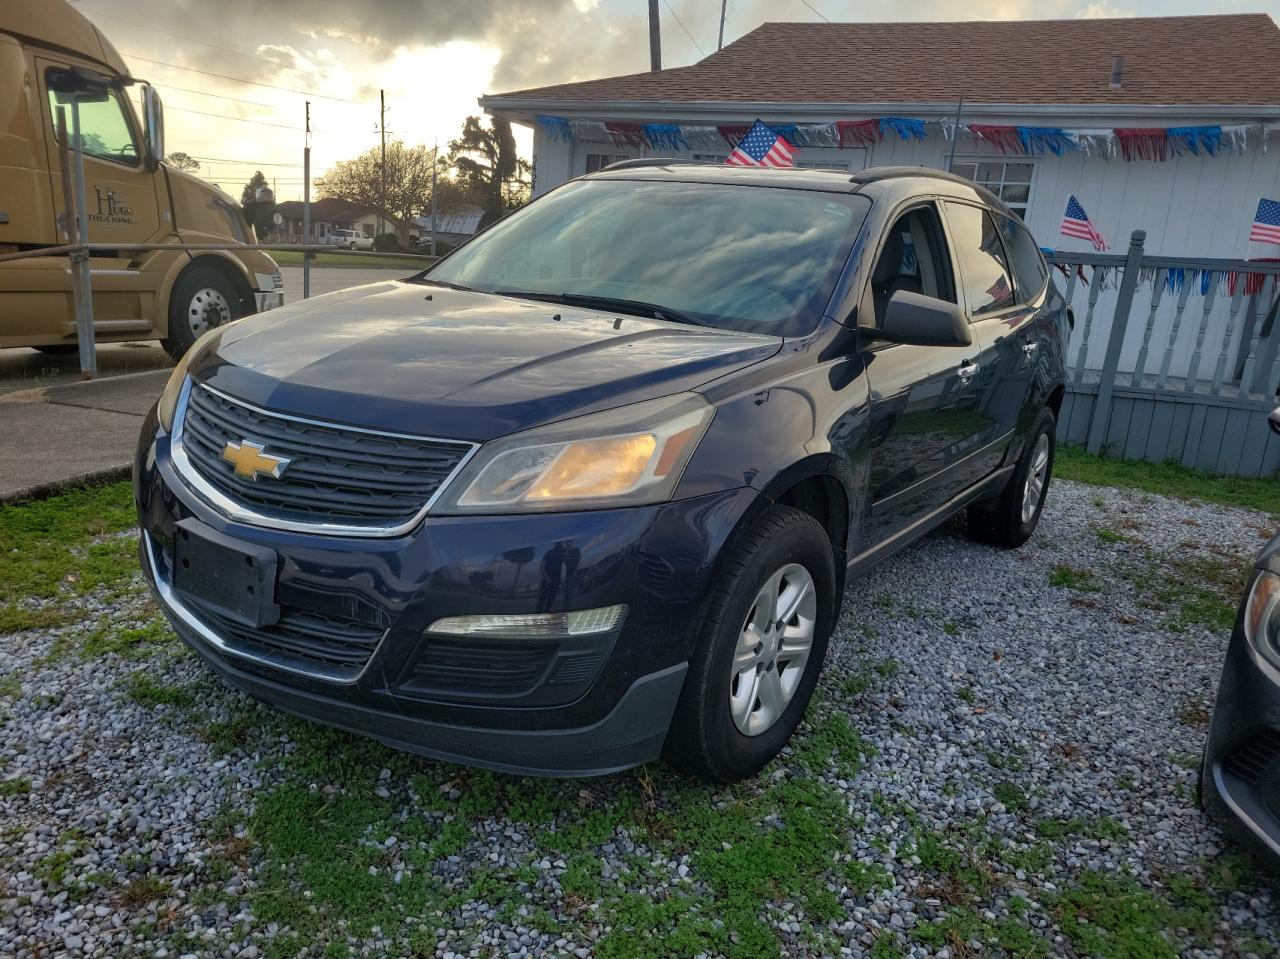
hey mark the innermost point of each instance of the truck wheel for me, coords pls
(759, 650)
(202, 299)
(58, 349)
(1012, 519)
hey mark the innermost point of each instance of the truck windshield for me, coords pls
(743, 257)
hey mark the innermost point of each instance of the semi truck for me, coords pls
(50, 54)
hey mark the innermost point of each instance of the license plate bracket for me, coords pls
(235, 578)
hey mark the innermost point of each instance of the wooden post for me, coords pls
(1101, 418)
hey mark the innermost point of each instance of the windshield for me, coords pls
(744, 258)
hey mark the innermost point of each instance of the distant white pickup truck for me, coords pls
(350, 239)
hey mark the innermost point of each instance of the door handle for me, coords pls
(1030, 347)
(966, 370)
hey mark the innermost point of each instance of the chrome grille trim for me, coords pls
(254, 516)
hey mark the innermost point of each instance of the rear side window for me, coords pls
(1024, 257)
(984, 271)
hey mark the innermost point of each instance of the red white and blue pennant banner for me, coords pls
(1130, 143)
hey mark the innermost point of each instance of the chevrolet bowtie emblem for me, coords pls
(250, 459)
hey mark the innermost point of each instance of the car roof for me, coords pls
(877, 183)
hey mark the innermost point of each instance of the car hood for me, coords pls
(414, 358)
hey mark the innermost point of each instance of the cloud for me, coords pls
(1097, 11)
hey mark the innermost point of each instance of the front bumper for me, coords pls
(268, 301)
(590, 706)
(1240, 782)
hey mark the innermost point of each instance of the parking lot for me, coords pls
(1000, 761)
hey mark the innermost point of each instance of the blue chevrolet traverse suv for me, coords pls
(588, 490)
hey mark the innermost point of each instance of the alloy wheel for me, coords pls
(773, 649)
(1037, 476)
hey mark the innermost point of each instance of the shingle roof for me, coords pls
(1228, 59)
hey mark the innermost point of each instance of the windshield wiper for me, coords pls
(634, 307)
(443, 283)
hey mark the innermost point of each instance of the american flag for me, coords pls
(762, 146)
(1266, 222)
(999, 290)
(1075, 222)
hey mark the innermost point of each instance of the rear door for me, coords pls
(1001, 298)
(120, 196)
(925, 420)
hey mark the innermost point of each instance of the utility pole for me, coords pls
(306, 206)
(435, 164)
(655, 37)
(724, 9)
(382, 173)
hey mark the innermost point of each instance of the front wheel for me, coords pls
(202, 299)
(759, 651)
(1013, 517)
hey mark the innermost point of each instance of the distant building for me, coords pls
(326, 216)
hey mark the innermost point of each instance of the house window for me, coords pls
(710, 157)
(838, 166)
(1010, 180)
(598, 161)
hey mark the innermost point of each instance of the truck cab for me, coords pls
(50, 53)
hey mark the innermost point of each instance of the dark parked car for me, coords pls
(588, 490)
(1240, 777)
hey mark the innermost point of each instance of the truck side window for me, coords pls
(914, 258)
(983, 269)
(104, 128)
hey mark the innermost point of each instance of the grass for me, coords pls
(349, 261)
(1071, 577)
(65, 544)
(147, 692)
(1167, 479)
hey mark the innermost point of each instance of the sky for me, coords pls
(433, 58)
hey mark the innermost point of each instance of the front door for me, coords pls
(120, 197)
(925, 418)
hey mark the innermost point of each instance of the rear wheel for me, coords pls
(202, 299)
(759, 651)
(1013, 517)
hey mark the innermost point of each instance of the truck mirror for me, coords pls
(153, 116)
(264, 195)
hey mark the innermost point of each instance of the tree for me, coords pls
(260, 213)
(408, 183)
(485, 160)
(182, 161)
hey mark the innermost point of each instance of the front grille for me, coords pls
(335, 474)
(1252, 760)
(299, 639)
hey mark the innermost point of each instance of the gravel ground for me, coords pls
(1000, 762)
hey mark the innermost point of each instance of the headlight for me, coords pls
(621, 457)
(172, 389)
(1262, 616)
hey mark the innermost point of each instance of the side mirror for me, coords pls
(1274, 419)
(153, 116)
(924, 321)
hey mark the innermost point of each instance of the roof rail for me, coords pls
(875, 174)
(652, 161)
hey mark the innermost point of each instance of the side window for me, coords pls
(1024, 257)
(984, 274)
(913, 258)
(104, 128)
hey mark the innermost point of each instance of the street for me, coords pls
(24, 369)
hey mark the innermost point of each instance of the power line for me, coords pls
(252, 83)
(179, 36)
(218, 96)
(244, 162)
(815, 10)
(220, 116)
(683, 27)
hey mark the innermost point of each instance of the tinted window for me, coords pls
(913, 258)
(738, 257)
(1024, 257)
(104, 128)
(984, 273)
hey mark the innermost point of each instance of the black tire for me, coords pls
(1003, 522)
(704, 739)
(58, 349)
(193, 308)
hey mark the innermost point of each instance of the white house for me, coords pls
(1154, 123)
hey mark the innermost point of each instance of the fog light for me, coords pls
(582, 622)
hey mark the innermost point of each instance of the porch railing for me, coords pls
(1173, 357)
